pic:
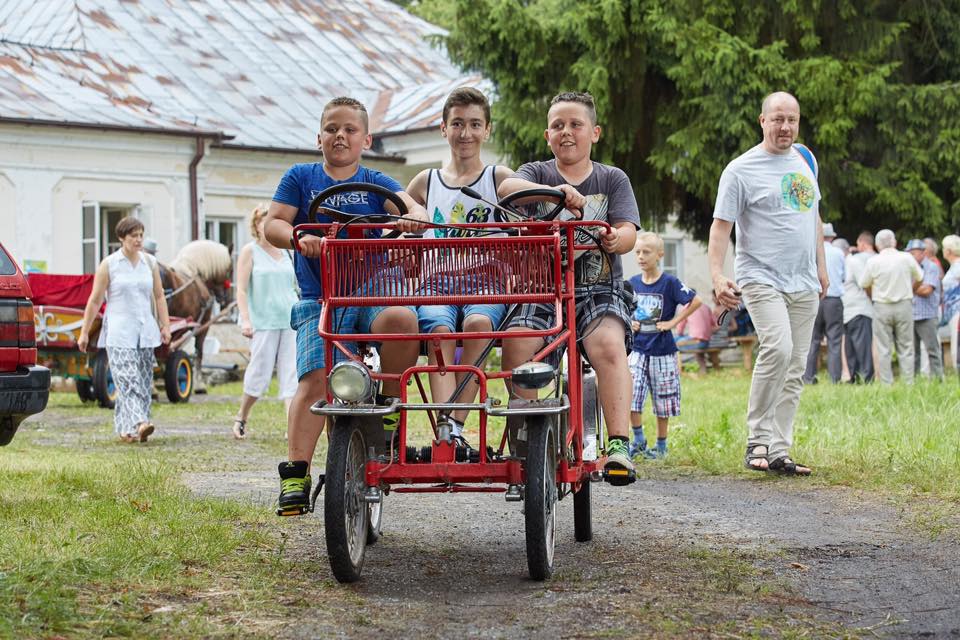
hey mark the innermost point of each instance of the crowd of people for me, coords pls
(903, 302)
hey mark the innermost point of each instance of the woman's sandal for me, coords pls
(239, 429)
(753, 456)
(145, 430)
(787, 467)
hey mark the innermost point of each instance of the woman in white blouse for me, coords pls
(134, 324)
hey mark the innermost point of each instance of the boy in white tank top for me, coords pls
(466, 126)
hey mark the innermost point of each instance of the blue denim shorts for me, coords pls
(452, 316)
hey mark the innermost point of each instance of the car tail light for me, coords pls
(16, 324)
(26, 331)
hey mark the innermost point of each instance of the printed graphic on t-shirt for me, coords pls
(797, 191)
(649, 311)
(458, 215)
(339, 200)
(591, 266)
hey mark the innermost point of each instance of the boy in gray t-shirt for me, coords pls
(603, 313)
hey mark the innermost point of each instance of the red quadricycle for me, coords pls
(548, 447)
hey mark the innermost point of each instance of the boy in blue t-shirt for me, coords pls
(343, 137)
(653, 361)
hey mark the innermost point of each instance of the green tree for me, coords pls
(678, 85)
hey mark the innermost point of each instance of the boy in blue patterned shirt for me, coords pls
(653, 361)
(344, 136)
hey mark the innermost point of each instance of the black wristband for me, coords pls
(293, 242)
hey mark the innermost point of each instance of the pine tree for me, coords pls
(678, 85)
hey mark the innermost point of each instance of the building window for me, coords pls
(91, 240)
(224, 231)
(673, 257)
(98, 224)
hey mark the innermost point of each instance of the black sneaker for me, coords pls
(294, 497)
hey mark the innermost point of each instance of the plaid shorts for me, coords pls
(592, 303)
(305, 320)
(660, 374)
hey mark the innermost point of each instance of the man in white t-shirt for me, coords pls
(858, 313)
(890, 278)
(771, 194)
(829, 320)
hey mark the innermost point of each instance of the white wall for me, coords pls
(53, 170)
(47, 173)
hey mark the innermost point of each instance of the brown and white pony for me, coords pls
(199, 275)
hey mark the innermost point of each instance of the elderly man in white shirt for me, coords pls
(890, 278)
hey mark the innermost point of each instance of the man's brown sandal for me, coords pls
(787, 467)
(239, 429)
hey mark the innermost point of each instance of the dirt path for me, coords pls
(673, 556)
(454, 565)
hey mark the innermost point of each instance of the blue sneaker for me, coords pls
(637, 448)
(655, 453)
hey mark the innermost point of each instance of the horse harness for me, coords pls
(194, 280)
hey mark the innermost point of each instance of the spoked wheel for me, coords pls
(345, 514)
(178, 377)
(540, 508)
(375, 514)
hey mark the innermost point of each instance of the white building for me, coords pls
(186, 113)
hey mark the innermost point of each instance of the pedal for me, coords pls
(619, 477)
(298, 510)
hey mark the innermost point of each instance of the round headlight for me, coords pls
(533, 375)
(350, 382)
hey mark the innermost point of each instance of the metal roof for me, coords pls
(258, 71)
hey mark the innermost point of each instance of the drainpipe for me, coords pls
(194, 191)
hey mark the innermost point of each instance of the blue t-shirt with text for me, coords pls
(298, 187)
(656, 302)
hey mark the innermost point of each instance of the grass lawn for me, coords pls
(98, 539)
(902, 439)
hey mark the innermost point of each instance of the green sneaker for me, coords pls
(391, 422)
(294, 497)
(619, 469)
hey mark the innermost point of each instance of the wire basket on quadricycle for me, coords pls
(540, 457)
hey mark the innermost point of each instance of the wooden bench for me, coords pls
(746, 344)
(712, 351)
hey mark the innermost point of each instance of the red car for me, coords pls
(24, 386)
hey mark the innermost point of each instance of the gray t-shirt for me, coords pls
(609, 197)
(774, 201)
